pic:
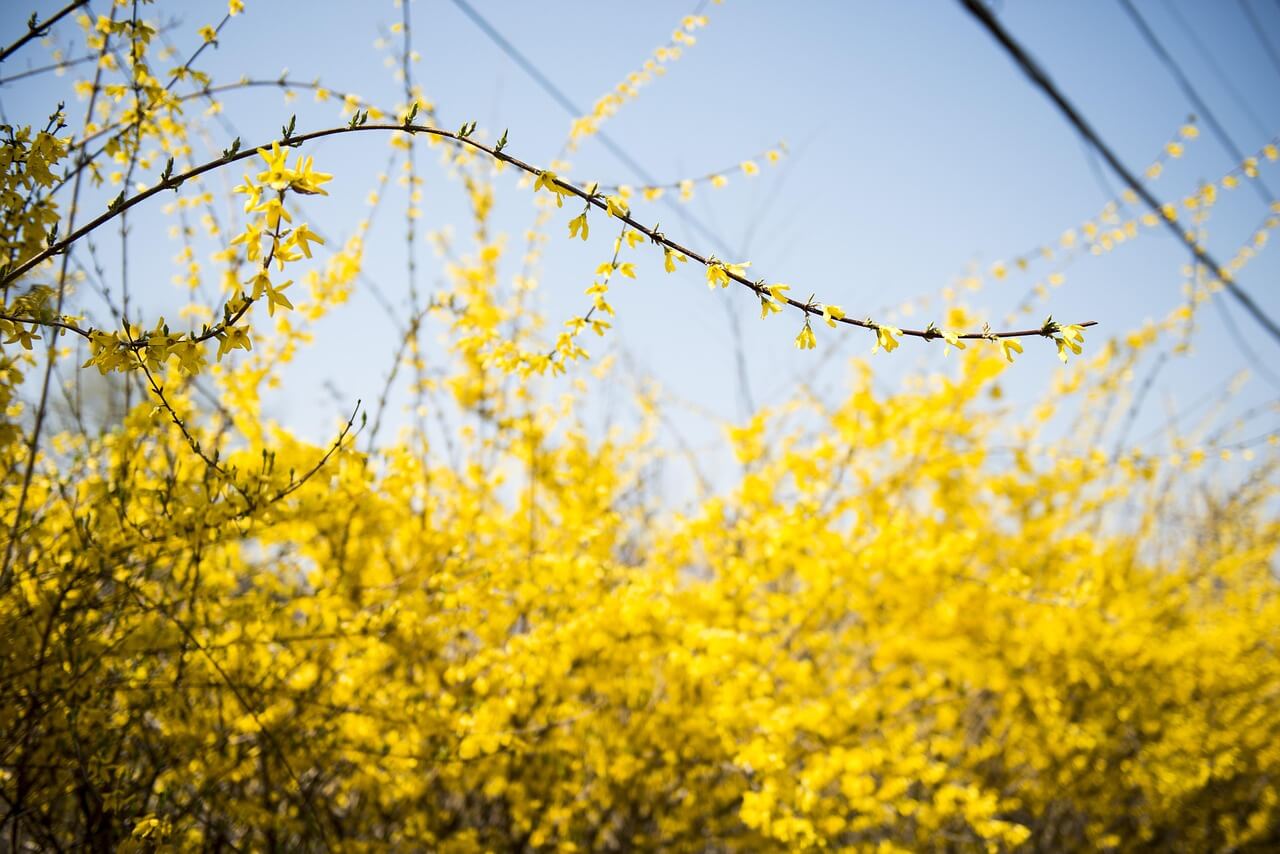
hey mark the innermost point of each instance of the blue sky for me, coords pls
(917, 150)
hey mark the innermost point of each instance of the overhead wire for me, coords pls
(1223, 137)
(1041, 79)
(1192, 94)
(1261, 33)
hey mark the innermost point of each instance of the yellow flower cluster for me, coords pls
(842, 649)
(608, 104)
(912, 620)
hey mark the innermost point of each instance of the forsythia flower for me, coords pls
(578, 226)
(306, 180)
(1009, 346)
(276, 175)
(885, 338)
(616, 206)
(302, 237)
(773, 299)
(806, 339)
(1069, 338)
(670, 257)
(274, 210)
(716, 275)
(548, 181)
(718, 272)
(235, 337)
(252, 190)
(276, 298)
(831, 314)
(21, 335)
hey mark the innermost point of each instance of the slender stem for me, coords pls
(595, 200)
(40, 29)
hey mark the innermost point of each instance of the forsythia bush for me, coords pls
(918, 620)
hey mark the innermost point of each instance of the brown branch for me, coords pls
(36, 30)
(594, 200)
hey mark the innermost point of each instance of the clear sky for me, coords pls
(918, 150)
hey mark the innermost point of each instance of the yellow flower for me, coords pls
(277, 175)
(260, 283)
(274, 210)
(885, 338)
(778, 291)
(251, 238)
(547, 180)
(152, 829)
(302, 237)
(719, 273)
(616, 206)
(276, 298)
(250, 189)
(306, 180)
(578, 226)
(831, 314)
(234, 338)
(22, 335)
(1009, 346)
(716, 275)
(1069, 338)
(208, 33)
(806, 340)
